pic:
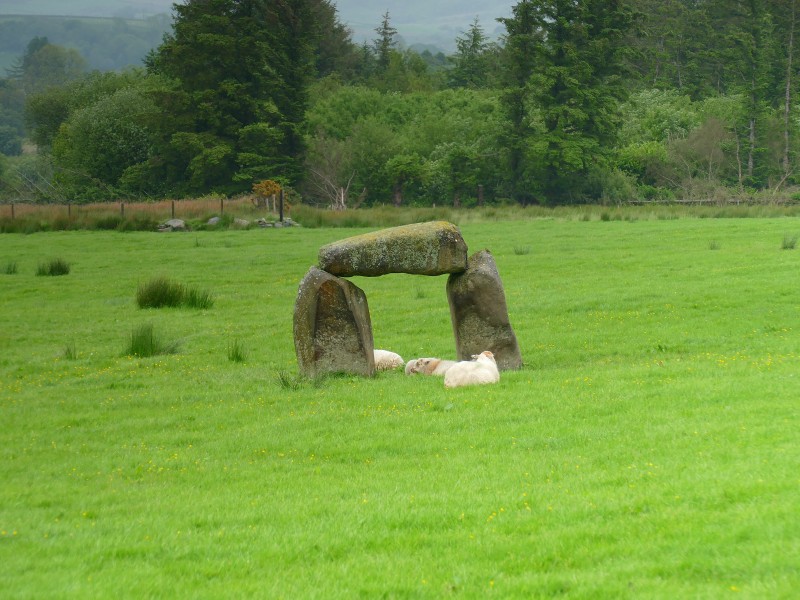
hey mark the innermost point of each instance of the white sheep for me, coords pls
(473, 372)
(428, 366)
(386, 360)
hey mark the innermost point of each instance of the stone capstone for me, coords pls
(332, 327)
(434, 248)
(479, 314)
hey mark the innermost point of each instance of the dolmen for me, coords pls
(332, 327)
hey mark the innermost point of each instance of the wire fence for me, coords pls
(155, 211)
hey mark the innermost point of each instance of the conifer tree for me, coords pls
(566, 60)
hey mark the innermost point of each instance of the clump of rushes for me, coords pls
(70, 352)
(195, 298)
(10, 268)
(789, 242)
(144, 343)
(160, 292)
(237, 352)
(54, 268)
(522, 250)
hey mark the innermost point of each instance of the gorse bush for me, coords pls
(54, 268)
(162, 292)
(144, 343)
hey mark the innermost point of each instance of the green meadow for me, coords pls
(648, 449)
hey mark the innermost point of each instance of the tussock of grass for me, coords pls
(144, 343)
(70, 351)
(53, 268)
(159, 292)
(237, 352)
(522, 250)
(162, 292)
(195, 298)
(10, 268)
(789, 242)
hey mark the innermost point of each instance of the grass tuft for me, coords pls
(789, 242)
(10, 268)
(288, 381)
(159, 292)
(70, 352)
(713, 245)
(53, 268)
(522, 250)
(144, 343)
(195, 298)
(162, 292)
(237, 352)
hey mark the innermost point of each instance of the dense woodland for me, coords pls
(581, 101)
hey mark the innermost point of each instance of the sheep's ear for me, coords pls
(475, 356)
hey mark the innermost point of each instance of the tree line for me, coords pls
(580, 101)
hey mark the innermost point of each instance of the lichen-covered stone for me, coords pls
(332, 327)
(434, 248)
(479, 313)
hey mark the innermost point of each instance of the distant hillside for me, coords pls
(126, 9)
(423, 21)
(106, 44)
(417, 21)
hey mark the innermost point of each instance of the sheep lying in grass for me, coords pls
(473, 372)
(386, 361)
(428, 366)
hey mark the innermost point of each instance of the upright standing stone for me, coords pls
(434, 248)
(332, 327)
(479, 314)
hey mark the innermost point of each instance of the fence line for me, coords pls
(158, 211)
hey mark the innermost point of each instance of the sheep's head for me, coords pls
(486, 355)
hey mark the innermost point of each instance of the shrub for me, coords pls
(144, 343)
(54, 268)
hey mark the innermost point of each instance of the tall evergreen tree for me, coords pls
(385, 43)
(566, 56)
(241, 70)
(469, 61)
(524, 36)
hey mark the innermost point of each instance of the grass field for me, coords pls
(649, 448)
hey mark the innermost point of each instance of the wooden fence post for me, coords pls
(281, 206)
(12, 211)
(122, 209)
(69, 210)
(173, 209)
(221, 207)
